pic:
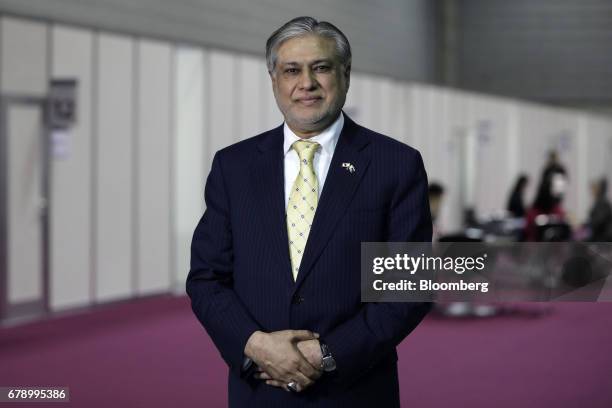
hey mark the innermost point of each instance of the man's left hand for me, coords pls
(310, 349)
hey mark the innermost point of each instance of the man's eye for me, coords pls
(291, 71)
(322, 68)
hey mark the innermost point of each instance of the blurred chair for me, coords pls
(553, 232)
(466, 309)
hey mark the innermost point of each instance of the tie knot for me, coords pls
(305, 149)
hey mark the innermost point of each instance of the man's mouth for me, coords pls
(311, 100)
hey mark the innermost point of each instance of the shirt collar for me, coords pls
(327, 139)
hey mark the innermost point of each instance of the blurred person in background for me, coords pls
(553, 166)
(436, 193)
(600, 216)
(516, 205)
(547, 210)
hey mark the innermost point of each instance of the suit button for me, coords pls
(297, 299)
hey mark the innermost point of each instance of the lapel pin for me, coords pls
(349, 167)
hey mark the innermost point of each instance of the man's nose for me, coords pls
(308, 80)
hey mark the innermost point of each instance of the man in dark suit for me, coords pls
(275, 267)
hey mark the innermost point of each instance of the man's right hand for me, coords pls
(277, 354)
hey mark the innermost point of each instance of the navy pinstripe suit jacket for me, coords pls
(240, 279)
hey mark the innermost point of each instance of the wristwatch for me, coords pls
(327, 362)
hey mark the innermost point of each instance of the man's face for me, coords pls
(309, 83)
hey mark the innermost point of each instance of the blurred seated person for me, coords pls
(547, 209)
(436, 191)
(553, 166)
(600, 216)
(516, 206)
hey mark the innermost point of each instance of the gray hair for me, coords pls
(301, 26)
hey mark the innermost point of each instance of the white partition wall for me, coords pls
(366, 106)
(490, 127)
(398, 120)
(153, 153)
(250, 95)
(428, 132)
(189, 153)
(71, 180)
(378, 103)
(24, 56)
(438, 127)
(382, 108)
(597, 160)
(353, 97)
(222, 99)
(127, 185)
(419, 131)
(115, 166)
(272, 116)
(25, 252)
(24, 73)
(456, 121)
(434, 145)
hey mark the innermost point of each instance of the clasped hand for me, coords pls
(286, 356)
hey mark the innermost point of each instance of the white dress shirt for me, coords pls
(322, 159)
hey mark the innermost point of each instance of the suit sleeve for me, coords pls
(359, 343)
(210, 281)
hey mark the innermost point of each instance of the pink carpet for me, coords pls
(153, 353)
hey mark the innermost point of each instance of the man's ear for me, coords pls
(273, 78)
(347, 74)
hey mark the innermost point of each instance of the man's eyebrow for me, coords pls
(293, 63)
(326, 60)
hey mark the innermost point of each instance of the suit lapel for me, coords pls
(338, 190)
(267, 179)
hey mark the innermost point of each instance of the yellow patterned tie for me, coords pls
(302, 203)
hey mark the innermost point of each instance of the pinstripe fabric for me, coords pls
(241, 281)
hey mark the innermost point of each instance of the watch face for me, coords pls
(329, 364)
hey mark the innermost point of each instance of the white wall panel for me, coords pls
(272, 115)
(397, 121)
(189, 153)
(419, 124)
(23, 71)
(351, 105)
(23, 56)
(159, 117)
(456, 123)
(429, 132)
(406, 112)
(490, 122)
(25, 261)
(71, 181)
(514, 147)
(419, 130)
(437, 125)
(250, 108)
(153, 181)
(383, 114)
(223, 129)
(598, 161)
(366, 106)
(411, 110)
(435, 141)
(115, 168)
